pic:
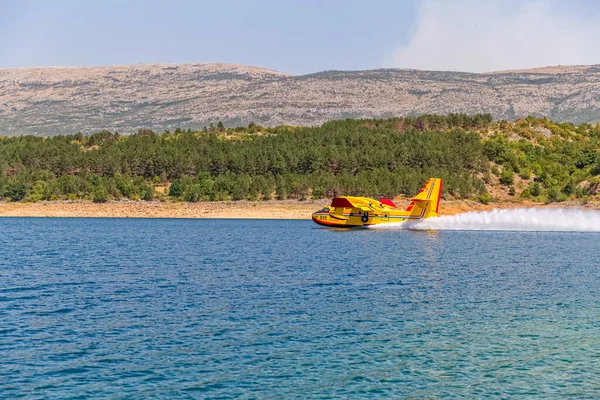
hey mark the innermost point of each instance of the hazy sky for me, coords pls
(302, 36)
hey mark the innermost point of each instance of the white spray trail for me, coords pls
(520, 219)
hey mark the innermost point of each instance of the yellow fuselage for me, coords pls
(353, 217)
(348, 211)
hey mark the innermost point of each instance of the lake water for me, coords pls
(109, 308)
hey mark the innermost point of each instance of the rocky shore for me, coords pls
(67, 100)
(274, 209)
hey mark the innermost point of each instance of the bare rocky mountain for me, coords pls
(48, 101)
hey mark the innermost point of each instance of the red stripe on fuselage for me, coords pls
(327, 223)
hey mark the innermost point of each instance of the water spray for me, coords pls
(519, 219)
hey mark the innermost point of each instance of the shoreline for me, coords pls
(272, 209)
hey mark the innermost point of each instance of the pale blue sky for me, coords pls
(292, 36)
(302, 36)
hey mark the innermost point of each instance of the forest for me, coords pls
(477, 157)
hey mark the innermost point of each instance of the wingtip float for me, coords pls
(348, 211)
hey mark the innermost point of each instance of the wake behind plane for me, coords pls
(349, 211)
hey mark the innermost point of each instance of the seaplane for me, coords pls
(349, 211)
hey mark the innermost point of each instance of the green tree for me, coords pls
(507, 177)
(100, 194)
(176, 188)
(553, 196)
(535, 189)
(15, 190)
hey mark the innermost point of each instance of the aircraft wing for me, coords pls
(362, 203)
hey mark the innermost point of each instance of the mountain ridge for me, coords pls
(125, 98)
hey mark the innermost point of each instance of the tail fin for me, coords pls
(427, 203)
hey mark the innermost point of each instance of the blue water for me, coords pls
(109, 308)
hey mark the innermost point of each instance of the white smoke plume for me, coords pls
(493, 35)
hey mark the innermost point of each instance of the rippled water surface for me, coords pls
(115, 308)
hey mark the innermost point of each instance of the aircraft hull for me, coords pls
(326, 219)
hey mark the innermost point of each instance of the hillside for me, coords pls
(479, 159)
(58, 100)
